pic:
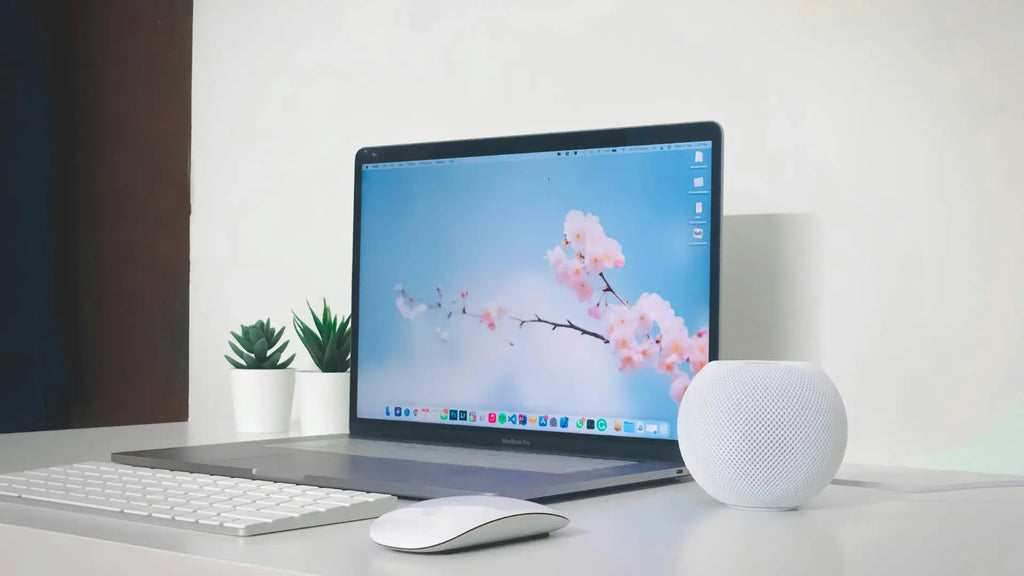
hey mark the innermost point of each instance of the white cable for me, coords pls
(928, 489)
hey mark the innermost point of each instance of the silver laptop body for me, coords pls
(527, 313)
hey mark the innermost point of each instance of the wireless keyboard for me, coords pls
(234, 506)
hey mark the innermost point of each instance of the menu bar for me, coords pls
(563, 154)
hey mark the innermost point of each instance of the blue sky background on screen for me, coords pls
(484, 228)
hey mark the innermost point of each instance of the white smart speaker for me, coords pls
(762, 435)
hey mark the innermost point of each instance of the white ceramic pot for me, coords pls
(323, 402)
(262, 399)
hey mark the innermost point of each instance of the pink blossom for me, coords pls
(491, 314)
(674, 338)
(584, 289)
(620, 317)
(601, 253)
(578, 227)
(556, 257)
(406, 310)
(631, 359)
(570, 271)
(594, 312)
(678, 387)
(698, 365)
(698, 350)
(648, 351)
(650, 308)
(623, 339)
(667, 364)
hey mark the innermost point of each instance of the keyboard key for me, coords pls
(274, 496)
(142, 510)
(335, 491)
(371, 497)
(324, 505)
(74, 500)
(286, 510)
(240, 522)
(339, 500)
(254, 506)
(297, 489)
(254, 515)
(205, 501)
(193, 517)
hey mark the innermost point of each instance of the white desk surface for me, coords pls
(674, 529)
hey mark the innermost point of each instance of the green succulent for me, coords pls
(330, 345)
(256, 342)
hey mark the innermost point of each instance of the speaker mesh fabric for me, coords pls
(762, 434)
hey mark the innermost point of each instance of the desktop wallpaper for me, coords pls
(535, 283)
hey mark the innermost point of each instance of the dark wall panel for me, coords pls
(103, 305)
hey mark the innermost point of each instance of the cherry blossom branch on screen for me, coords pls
(608, 289)
(646, 334)
(411, 307)
(555, 325)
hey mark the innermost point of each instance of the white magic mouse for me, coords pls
(457, 522)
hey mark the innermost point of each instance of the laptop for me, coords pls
(528, 312)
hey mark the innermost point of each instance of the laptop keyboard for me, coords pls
(439, 454)
(235, 506)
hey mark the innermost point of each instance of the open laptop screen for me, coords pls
(564, 291)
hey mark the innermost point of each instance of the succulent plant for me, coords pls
(257, 341)
(330, 345)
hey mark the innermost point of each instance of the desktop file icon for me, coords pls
(698, 156)
(698, 182)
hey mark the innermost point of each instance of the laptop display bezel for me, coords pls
(524, 439)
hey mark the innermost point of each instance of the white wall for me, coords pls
(897, 128)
